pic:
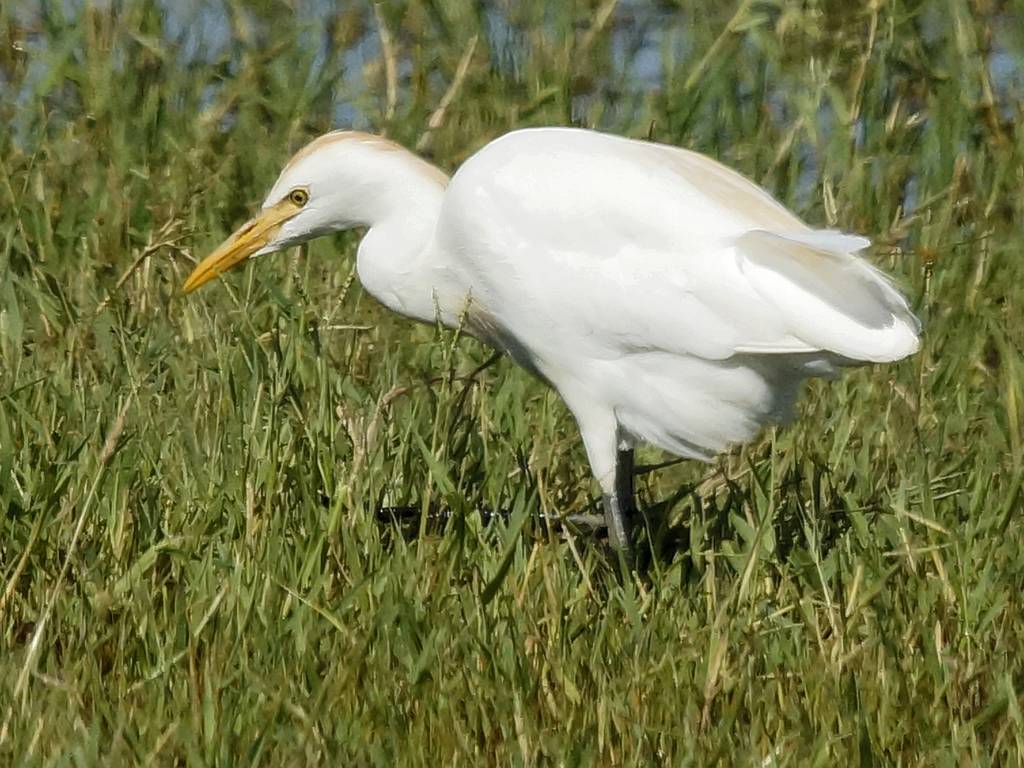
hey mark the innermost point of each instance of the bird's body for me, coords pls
(668, 299)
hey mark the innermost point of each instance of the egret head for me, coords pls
(330, 185)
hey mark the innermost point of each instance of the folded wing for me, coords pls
(826, 296)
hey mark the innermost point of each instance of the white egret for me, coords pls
(666, 297)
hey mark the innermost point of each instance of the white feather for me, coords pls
(641, 280)
(665, 296)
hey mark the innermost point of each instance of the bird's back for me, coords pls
(569, 172)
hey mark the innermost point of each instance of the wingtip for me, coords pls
(906, 341)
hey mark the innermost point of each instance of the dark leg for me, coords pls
(624, 470)
(620, 507)
(613, 470)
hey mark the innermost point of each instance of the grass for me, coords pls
(191, 562)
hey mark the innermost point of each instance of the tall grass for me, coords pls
(192, 563)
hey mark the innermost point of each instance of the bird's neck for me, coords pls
(395, 261)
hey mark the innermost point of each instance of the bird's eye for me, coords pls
(299, 197)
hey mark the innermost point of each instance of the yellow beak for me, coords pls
(246, 240)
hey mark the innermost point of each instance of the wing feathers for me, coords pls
(830, 299)
(826, 240)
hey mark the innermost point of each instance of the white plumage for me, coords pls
(667, 298)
